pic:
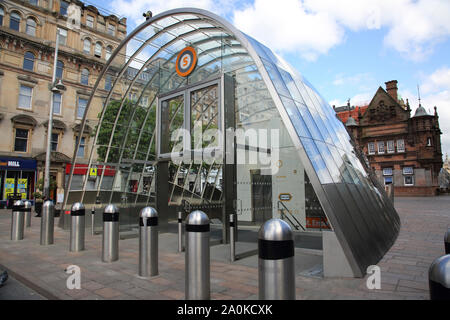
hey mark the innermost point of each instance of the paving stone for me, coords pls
(107, 293)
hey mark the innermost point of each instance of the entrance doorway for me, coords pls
(261, 196)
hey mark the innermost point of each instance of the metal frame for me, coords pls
(333, 209)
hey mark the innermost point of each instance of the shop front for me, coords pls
(17, 179)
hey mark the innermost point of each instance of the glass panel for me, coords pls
(28, 61)
(317, 161)
(81, 107)
(172, 119)
(55, 138)
(25, 97)
(14, 21)
(57, 103)
(31, 27)
(204, 116)
(21, 141)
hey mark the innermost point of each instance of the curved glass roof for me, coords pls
(364, 220)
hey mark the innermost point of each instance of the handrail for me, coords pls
(283, 215)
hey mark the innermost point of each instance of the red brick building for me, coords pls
(401, 149)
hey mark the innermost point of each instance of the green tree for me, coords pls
(126, 119)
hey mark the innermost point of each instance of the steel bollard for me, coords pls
(232, 238)
(180, 231)
(197, 262)
(92, 220)
(447, 242)
(17, 220)
(276, 276)
(77, 213)
(110, 246)
(47, 223)
(148, 242)
(439, 278)
(27, 210)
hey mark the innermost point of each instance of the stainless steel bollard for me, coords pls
(447, 242)
(276, 274)
(77, 213)
(232, 238)
(148, 242)
(110, 246)
(180, 231)
(197, 262)
(27, 210)
(17, 220)
(439, 278)
(92, 220)
(47, 223)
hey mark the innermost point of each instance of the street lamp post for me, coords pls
(55, 89)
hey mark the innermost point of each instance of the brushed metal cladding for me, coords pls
(356, 205)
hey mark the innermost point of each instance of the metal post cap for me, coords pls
(197, 217)
(48, 203)
(275, 230)
(148, 212)
(27, 204)
(19, 203)
(77, 206)
(148, 217)
(111, 208)
(439, 271)
(77, 209)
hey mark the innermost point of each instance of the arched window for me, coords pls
(85, 77)
(59, 69)
(31, 27)
(2, 13)
(98, 49)
(14, 21)
(28, 61)
(108, 52)
(87, 46)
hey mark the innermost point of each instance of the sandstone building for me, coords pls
(27, 47)
(401, 148)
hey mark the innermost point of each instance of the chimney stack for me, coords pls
(391, 88)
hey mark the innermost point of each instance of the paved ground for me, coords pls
(403, 269)
(15, 290)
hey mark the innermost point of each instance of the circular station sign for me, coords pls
(186, 61)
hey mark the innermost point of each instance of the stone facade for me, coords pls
(401, 149)
(27, 47)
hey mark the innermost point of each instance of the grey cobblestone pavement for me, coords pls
(404, 269)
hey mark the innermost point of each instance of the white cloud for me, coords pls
(288, 27)
(363, 81)
(438, 80)
(313, 27)
(360, 99)
(133, 9)
(435, 91)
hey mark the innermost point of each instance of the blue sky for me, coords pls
(345, 48)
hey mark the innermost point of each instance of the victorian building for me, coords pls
(87, 39)
(402, 149)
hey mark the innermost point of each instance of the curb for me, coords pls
(42, 291)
